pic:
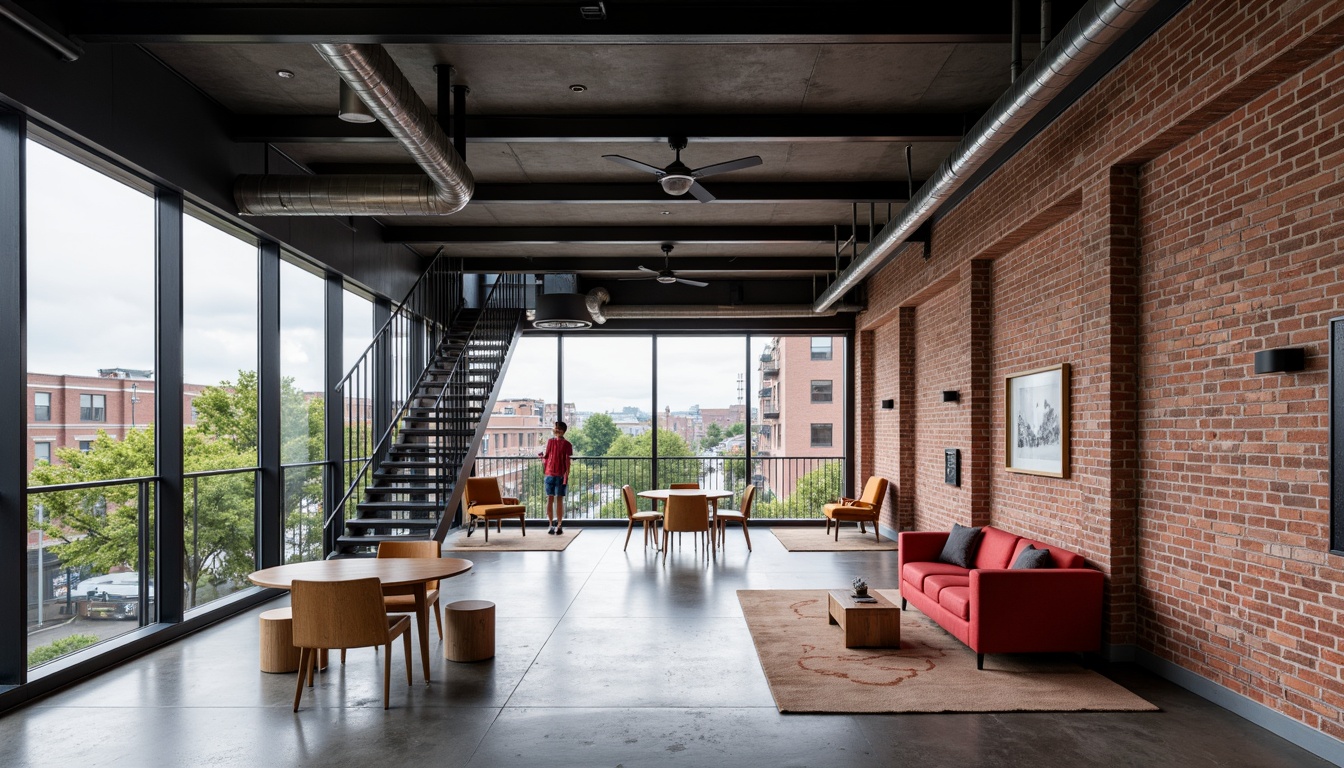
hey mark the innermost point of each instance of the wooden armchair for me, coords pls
(649, 519)
(483, 501)
(344, 614)
(864, 509)
(401, 599)
(723, 517)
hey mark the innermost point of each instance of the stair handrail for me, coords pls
(500, 291)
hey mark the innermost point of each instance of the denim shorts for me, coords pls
(555, 485)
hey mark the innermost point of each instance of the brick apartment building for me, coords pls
(802, 381)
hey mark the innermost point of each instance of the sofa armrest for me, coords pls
(1048, 609)
(918, 547)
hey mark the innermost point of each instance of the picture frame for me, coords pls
(1036, 421)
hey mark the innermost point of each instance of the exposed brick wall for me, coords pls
(1179, 217)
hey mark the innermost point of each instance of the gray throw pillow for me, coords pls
(1032, 557)
(961, 545)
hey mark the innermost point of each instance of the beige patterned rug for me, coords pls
(809, 669)
(809, 539)
(511, 539)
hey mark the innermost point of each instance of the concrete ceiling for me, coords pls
(829, 95)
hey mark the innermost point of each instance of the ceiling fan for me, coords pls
(677, 179)
(666, 275)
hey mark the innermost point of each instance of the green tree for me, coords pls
(599, 431)
(812, 491)
(676, 464)
(713, 436)
(58, 648)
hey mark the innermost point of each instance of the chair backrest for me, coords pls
(338, 614)
(686, 513)
(428, 548)
(628, 494)
(873, 491)
(683, 486)
(482, 490)
(748, 496)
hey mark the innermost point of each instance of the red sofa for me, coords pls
(994, 609)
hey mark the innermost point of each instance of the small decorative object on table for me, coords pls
(860, 593)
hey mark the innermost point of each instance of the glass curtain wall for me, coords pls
(702, 412)
(521, 422)
(302, 324)
(608, 396)
(91, 337)
(219, 326)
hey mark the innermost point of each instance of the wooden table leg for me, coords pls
(422, 621)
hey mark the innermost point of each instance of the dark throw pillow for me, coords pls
(961, 545)
(1032, 557)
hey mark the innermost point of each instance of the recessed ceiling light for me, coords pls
(285, 73)
(578, 88)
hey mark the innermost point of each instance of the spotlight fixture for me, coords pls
(284, 74)
(561, 311)
(352, 109)
(578, 87)
(1286, 360)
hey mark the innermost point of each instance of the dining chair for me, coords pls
(724, 516)
(684, 486)
(649, 519)
(483, 500)
(402, 599)
(344, 614)
(686, 514)
(864, 509)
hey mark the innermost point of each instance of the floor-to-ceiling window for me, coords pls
(702, 411)
(302, 323)
(608, 382)
(520, 424)
(219, 326)
(90, 338)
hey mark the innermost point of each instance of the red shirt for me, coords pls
(558, 451)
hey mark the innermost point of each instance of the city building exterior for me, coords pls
(801, 388)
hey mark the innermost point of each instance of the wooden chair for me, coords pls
(344, 614)
(482, 500)
(684, 486)
(864, 509)
(401, 599)
(686, 514)
(647, 518)
(724, 516)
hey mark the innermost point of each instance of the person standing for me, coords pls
(555, 463)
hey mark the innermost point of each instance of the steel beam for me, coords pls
(168, 535)
(13, 414)
(626, 129)
(595, 264)
(648, 192)
(739, 235)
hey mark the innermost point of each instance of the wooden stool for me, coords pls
(470, 631)
(278, 653)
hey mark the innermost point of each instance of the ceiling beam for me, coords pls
(729, 235)
(648, 192)
(770, 265)
(842, 21)
(626, 129)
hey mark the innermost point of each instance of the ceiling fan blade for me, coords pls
(731, 165)
(702, 194)
(653, 272)
(638, 166)
(696, 283)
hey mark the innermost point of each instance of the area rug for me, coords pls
(809, 669)
(816, 539)
(510, 540)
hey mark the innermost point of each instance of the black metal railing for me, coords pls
(788, 488)
(302, 507)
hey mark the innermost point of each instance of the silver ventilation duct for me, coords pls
(1096, 27)
(371, 73)
(598, 297)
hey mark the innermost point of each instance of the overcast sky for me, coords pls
(91, 306)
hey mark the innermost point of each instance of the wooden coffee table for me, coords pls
(866, 625)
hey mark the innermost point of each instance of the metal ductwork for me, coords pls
(597, 299)
(1096, 27)
(370, 72)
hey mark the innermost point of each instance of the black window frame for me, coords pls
(92, 412)
(41, 412)
(830, 436)
(829, 391)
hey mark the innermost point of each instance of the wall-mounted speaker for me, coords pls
(951, 396)
(887, 405)
(1286, 360)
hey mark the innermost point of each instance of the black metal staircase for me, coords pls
(409, 484)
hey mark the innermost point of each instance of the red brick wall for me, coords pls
(1182, 215)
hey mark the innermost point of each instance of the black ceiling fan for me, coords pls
(666, 275)
(677, 179)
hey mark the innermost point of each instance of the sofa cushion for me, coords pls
(961, 545)
(996, 548)
(1031, 557)
(956, 601)
(916, 573)
(1062, 558)
(934, 585)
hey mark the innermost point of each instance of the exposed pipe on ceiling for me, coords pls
(23, 19)
(1096, 27)
(597, 299)
(371, 73)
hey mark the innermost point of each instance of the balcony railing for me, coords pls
(788, 488)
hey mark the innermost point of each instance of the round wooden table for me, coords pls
(398, 575)
(663, 494)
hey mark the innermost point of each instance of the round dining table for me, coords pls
(398, 575)
(663, 494)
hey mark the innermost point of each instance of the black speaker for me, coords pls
(1284, 360)
(951, 395)
(887, 405)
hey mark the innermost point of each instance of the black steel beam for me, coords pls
(631, 235)
(270, 410)
(649, 192)
(333, 411)
(13, 413)
(841, 21)
(626, 129)
(168, 535)
(590, 264)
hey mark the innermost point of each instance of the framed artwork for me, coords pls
(952, 466)
(1037, 421)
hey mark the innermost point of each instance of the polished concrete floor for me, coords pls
(604, 658)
